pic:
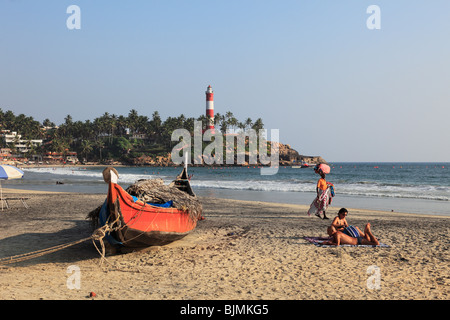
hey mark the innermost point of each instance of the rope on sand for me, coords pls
(38, 253)
(98, 234)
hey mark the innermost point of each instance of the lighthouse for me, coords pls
(210, 108)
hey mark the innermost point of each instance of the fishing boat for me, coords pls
(302, 165)
(135, 223)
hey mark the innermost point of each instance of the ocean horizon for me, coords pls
(412, 187)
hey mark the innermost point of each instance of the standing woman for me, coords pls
(321, 202)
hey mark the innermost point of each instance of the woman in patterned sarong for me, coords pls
(321, 202)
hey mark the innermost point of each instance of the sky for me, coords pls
(311, 69)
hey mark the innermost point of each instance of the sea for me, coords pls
(422, 188)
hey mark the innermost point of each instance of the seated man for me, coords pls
(354, 236)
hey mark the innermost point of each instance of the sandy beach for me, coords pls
(243, 250)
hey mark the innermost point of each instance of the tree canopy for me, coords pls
(113, 137)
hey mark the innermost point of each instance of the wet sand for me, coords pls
(243, 250)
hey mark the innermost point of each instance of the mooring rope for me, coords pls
(39, 253)
(98, 234)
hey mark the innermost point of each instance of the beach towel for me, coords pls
(320, 203)
(319, 240)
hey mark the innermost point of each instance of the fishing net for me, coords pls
(155, 191)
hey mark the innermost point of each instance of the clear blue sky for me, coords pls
(311, 69)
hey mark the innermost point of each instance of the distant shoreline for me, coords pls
(68, 165)
(213, 165)
(137, 166)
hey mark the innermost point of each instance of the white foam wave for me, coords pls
(71, 172)
(417, 192)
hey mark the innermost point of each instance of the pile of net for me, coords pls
(155, 191)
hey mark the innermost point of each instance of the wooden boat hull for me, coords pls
(137, 224)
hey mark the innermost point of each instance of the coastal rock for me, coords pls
(289, 156)
(160, 161)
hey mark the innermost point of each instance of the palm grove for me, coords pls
(112, 137)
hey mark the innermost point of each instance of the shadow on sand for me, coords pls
(30, 242)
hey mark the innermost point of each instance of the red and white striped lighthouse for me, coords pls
(209, 108)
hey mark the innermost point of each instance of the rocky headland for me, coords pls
(287, 157)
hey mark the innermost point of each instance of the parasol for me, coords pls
(8, 172)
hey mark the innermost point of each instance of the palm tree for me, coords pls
(258, 125)
(86, 147)
(99, 145)
(113, 126)
(68, 119)
(189, 124)
(155, 126)
(106, 126)
(86, 130)
(228, 116)
(121, 125)
(9, 120)
(133, 120)
(203, 119)
(248, 123)
(230, 119)
(234, 122)
(141, 124)
(219, 121)
(48, 123)
(59, 144)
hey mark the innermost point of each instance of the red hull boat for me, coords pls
(138, 224)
